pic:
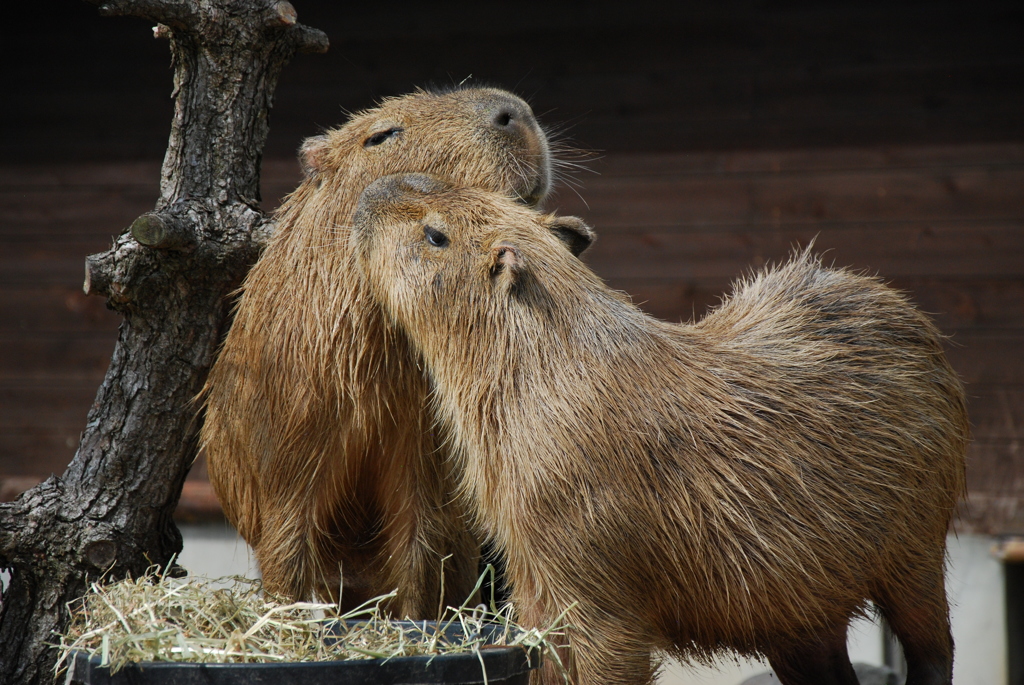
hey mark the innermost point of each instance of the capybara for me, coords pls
(747, 482)
(315, 432)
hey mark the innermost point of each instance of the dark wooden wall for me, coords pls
(894, 132)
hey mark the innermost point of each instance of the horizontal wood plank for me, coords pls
(812, 197)
(997, 413)
(50, 265)
(56, 309)
(953, 249)
(995, 481)
(61, 404)
(40, 452)
(651, 76)
(141, 176)
(955, 304)
(987, 514)
(983, 357)
(643, 190)
(137, 175)
(754, 163)
(45, 358)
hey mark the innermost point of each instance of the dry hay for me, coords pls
(232, 620)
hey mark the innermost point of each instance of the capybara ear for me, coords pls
(571, 230)
(506, 258)
(312, 153)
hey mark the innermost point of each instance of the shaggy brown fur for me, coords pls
(315, 431)
(747, 482)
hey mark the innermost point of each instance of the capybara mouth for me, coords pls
(536, 194)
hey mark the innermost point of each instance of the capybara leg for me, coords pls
(416, 566)
(299, 561)
(601, 651)
(820, 660)
(532, 615)
(594, 663)
(549, 674)
(423, 528)
(462, 569)
(283, 552)
(284, 572)
(918, 613)
(611, 654)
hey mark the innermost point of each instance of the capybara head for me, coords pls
(415, 229)
(481, 137)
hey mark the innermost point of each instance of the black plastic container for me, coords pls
(504, 666)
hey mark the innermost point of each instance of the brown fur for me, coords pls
(315, 432)
(747, 482)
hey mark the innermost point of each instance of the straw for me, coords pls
(158, 618)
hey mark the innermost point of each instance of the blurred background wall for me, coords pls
(717, 137)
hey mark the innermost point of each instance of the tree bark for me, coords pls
(169, 275)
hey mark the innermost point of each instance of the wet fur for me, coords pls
(748, 482)
(315, 432)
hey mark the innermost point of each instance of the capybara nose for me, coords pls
(511, 116)
(504, 117)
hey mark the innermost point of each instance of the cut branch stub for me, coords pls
(309, 40)
(284, 14)
(96, 276)
(163, 231)
(101, 554)
(108, 274)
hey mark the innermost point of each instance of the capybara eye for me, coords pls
(378, 138)
(435, 237)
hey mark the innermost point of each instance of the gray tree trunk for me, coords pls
(169, 276)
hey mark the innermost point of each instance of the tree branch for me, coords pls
(173, 13)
